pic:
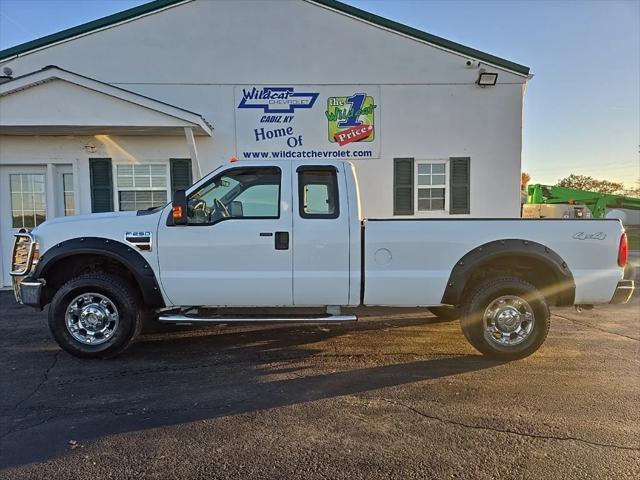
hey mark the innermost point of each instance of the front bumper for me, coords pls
(28, 291)
(623, 292)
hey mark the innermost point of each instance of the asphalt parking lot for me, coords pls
(394, 396)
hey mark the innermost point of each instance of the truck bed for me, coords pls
(408, 262)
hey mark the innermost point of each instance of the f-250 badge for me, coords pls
(590, 236)
(141, 240)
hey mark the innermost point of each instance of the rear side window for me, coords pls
(318, 192)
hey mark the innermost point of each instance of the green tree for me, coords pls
(585, 182)
(633, 191)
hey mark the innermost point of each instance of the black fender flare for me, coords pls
(498, 249)
(125, 254)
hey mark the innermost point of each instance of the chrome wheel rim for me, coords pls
(91, 318)
(508, 321)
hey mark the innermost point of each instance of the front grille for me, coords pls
(24, 251)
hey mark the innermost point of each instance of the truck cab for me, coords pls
(264, 235)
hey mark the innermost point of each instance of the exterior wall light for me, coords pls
(487, 79)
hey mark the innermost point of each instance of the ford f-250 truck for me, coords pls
(289, 236)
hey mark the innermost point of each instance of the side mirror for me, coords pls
(179, 208)
(236, 209)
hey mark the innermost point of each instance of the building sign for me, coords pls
(351, 119)
(276, 99)
(307, 121)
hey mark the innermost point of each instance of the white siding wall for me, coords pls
(252, 41)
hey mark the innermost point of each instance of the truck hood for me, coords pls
(83, 218)
(109, 225)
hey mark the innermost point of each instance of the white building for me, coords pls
(116, 113)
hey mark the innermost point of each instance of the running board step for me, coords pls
(187, 320)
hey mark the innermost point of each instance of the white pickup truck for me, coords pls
(287, 236)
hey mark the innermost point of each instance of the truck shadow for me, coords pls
(182, 377)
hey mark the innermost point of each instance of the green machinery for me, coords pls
(574, 201)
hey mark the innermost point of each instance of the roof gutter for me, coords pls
(87, 28)
(333, 5)
(424, 37)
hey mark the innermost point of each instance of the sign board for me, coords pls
(307, 121)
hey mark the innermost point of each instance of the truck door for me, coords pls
(321, 236)
(236, 248)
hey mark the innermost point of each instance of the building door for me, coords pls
(23, 203)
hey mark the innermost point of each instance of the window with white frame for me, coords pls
(141, 186)
(431, 185)
(28, 199)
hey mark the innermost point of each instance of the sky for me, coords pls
(582, 107)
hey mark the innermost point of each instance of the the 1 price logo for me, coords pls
(351, 119)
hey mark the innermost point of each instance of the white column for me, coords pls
(114, 180)
(193, 151)
(50, 194)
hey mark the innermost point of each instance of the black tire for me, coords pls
(481, 296)
(445, 313)
(123, 295)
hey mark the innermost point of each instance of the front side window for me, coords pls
(28, 199)
(318, 192)
(247, 193)
(431, 180)
(141, 186)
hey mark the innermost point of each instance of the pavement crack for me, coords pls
(233, 361)
(28, 427)
(588, 325)
(45, 379)
(503, 430)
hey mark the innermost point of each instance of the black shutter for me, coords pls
(459, 184)
(101, 181)
(403, 186)
(180, 174)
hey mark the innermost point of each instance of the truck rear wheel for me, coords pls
(505, 318)
(95, 316)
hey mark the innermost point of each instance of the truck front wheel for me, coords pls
(505, 318)
(95, 316)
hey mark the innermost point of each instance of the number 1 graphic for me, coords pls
(355, 101)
